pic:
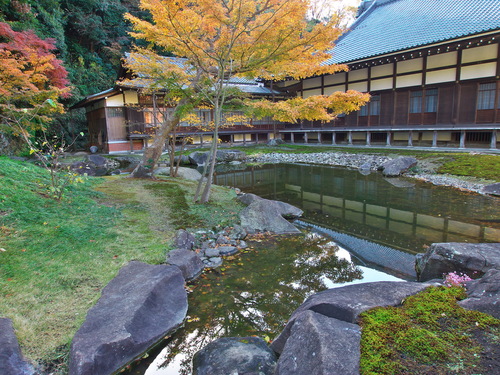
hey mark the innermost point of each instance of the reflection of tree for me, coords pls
(257, 292)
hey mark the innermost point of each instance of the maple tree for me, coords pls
(270, 39)
(32, 80)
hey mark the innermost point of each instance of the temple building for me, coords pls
(431, 66)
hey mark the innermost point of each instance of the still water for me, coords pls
(377, 225)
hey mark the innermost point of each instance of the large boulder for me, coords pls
(95, 165)
(320, 345)
(223, 156)
(471, 259)
(284, 209)
(11, 359)
(348, 302)
(492, 189)
(398, 166)
(188, 262)
(137, 309)
(262, 216)
(484, 294)
(198, 158)
(235, 355)
(188, 174)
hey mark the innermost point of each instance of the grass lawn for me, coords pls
(56, 257)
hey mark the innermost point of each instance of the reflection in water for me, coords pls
(381, 222)
(253, 294)
(392, 212)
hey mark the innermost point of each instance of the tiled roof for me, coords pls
(395, 25)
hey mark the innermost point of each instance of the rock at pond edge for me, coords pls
(137, 309)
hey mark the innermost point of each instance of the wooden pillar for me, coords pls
(131, 145)
(231, 139)
(462, 139)
(388, 142)
(244, 139)
(349, 137)
(334, 136)
(305, 138)
(493, 144)
(410, 138)
(292, 138)
(319, 138)
(368, 138)
(201, 140)
(435, 138)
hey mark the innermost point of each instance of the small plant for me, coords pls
(48, 152)
(456, 279)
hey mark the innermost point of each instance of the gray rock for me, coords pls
(484, 294)
(321, 346)
(398, 166)
(230, 155)
(275, 142)
(284, 209)
(188, 174)
(184, 240)
(211, 252)
(238, 233)
(198, 158)
(227, 250)
(492, 189)
(141, 172)
(242, 244)
(262, 216)
(12, 361)
(93, 149)
(471, 259)
(213, 262)
(188, 261)
(235, 355)
(137, 309)
(221, 240)
(97, 160)
(346, 303)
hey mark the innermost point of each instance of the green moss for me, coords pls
(480, 166)
(429, 334)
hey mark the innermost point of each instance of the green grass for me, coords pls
(480, 166)
(429, 334)
(57, 256)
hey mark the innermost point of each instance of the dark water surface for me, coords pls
(378, 224)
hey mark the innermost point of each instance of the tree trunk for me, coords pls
(213, 156)
(153, 153)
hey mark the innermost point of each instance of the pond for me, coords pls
(377, 223)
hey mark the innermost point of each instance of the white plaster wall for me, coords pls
(335, 78)
(356, 75)
(480, 53)
(442, 59)
(409, 80)
(331, 90)
(382, 70)
(478, 71)
(445, 75)
(410, 65)
(311, 82)
(131, 97)
(381, 84)
(115, 101)
(359, 86)
(309, 93)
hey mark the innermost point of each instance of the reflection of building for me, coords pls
(432, 67)
(370, 207)
(433, 70)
